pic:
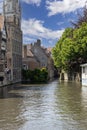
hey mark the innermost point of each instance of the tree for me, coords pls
(62, 51)
(71, 50)
(81, 18)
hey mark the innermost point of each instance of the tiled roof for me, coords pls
(49, 49)
(1, 22)
(29, 53)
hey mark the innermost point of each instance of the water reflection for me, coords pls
(55, 106)
(70, 106)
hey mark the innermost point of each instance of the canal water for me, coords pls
(53, 106)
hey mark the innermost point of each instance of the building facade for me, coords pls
(40, 53)
(29, 60)
(3, 41)
(84, 74)
(12, 18)
(36, 56)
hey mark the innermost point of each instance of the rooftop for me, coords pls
(1, 21)
(83, 65)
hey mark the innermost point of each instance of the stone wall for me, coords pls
(70, 76)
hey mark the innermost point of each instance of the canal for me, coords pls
(53, 106)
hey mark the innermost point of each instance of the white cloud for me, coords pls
(28, 39)
(64, 6)
(37, 2)
(60, 23)
(35, 28)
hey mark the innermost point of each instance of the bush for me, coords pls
(35, 76)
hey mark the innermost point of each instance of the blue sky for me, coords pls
(47, 19)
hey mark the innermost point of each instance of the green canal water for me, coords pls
(53, 106)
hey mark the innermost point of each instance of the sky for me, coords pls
(47, 19)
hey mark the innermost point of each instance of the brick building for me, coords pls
(37, 56)
(29, 60)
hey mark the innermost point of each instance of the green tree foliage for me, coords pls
(71, 50)
(35, 76)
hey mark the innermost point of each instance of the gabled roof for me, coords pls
(1, 22)
(49, 49)
(29, 53)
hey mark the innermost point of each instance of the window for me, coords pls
(25, 67)
(1, 68)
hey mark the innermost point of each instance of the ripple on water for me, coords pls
(55, 106)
